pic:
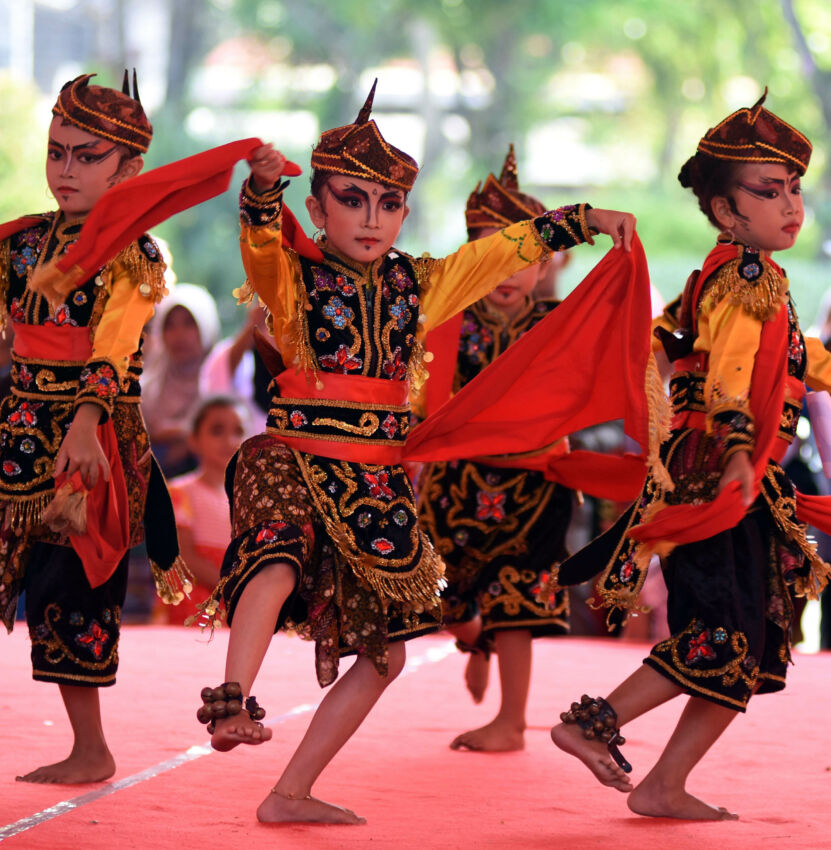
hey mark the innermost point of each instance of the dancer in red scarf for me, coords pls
(729, 524)
(499, 530)
(325, 536)
(73, 415)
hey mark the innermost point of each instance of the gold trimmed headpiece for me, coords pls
(106, 112)
(757, 135)
(499, 202)
(359, 150)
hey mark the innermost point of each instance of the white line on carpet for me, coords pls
(432, 655)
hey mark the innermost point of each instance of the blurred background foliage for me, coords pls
(603, 100)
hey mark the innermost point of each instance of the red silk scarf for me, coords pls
(583, 364)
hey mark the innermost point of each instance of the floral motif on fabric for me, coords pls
(94, 639)
(341, 361)
(101, 382)
(338, 313)
(16, 311)
(700, 649)
(270, 531)
(323, 280)
(23, 259)
(378, 484)
(399, 280)
(335, 609)
(25, 414)
(395, 368)
(61, 317)
(400, 312)
(390, 426)
(497, 568)
(490, 506)
(709, 661)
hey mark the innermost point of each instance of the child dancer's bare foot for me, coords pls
(477, 674)
(594, 754)
(654, 799)
(82, 765)
(280, 808)
(498, 736)
(238, 729)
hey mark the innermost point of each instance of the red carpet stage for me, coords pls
(171, 791)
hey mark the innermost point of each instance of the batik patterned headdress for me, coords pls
(499, 202)
(106, 112)
(359, 150)
(757, 135)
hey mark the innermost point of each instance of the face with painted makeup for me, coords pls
(361, 218)
(767, 211)
(80, 167)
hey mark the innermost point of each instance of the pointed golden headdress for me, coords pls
(106, 112)
(359, 149)
(499, 202)
(757, 135)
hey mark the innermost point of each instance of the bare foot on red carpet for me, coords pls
(653, 799)
(277, 808)
(594, 754)
(477, 674)
(82, 766)
(497, 737)
(238, 729)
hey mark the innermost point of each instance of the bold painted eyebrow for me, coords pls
(351, 188)
(74, 148)
(389, 193)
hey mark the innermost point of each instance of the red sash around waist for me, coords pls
(52, 342)
(108, 527)
(339, 389)
(336, 387)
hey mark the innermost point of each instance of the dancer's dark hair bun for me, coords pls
(685, 175)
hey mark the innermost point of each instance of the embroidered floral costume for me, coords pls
(500, 531)
(323, 489)
(738, 385)
(85, 349)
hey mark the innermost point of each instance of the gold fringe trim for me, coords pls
(551, 586)
(612, 594)
(297, 333)
(760, 298)
(659, 422)
(26, 512)
(418, 590)
(245, 293)
(811, 585)
(417, 373)
(174, 584)
(5, 263)
(210, 613)
(148, 273)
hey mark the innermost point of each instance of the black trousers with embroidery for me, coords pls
(74, 628)
(729, 614)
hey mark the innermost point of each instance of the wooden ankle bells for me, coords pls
(226, 701)
(598, 720)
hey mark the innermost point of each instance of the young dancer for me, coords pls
(500, 531)
(73, 413)
(733, 517)
(325, 537)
